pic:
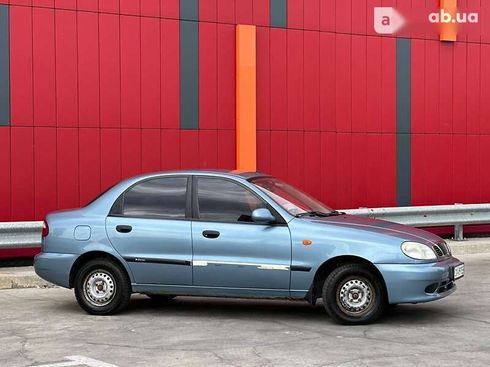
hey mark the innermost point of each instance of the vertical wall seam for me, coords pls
(99, 102)
(78, 109)
(160, 116)
(120, 92)
(55, 12)
(403, 121)
(141, 86)
(4, 66)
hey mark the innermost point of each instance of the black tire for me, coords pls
(353, 294)
(160, 297)
(106, 274)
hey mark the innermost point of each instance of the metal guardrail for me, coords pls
(28, 234)
(20, 234)
(456, 215)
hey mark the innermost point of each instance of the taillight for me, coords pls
(45, 229)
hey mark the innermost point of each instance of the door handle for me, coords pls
(124, 229)
(210, 234)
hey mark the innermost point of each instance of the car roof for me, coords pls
(215, 172)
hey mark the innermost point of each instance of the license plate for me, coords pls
(458, 271)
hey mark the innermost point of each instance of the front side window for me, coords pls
(225, 201)
(157, 198)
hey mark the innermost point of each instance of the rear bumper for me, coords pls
(54, 267)
(413, 283)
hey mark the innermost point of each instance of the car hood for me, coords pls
(381, 227)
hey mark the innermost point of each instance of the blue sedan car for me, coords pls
(213, 233)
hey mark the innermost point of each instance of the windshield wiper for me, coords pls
(319, 214)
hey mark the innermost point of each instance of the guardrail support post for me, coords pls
(458, 232)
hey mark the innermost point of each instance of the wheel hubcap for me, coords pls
(355, 296)
(99, 288)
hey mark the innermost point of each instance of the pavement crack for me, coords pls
(22, 352)
(261, 357)
(386, 356)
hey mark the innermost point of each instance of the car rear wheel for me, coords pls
(160, 297)
(102, 287)
(353, 294)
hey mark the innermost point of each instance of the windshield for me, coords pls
(290, 198)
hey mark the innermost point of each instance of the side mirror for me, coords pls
(263, 216)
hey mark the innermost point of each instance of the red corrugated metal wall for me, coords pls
(95, 98)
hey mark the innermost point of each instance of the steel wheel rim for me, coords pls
(356, 296)
(99, 288)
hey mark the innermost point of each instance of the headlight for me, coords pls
(418, 251)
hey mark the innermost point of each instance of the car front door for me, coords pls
(229, 249)
(150, 227)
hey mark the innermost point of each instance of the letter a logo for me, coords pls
(387, 20)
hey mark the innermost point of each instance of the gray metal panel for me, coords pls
(403, 85)
(189, 9)
(278, 13)
(4, 67)
(189, 75)
(403, 153)
(403, 170)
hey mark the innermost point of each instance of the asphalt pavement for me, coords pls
(45, 327)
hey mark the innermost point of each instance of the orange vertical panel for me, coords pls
(246, 98)
(448, 30)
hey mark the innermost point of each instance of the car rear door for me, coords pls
(230, 250)
(150, 227)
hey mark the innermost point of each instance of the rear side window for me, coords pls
(225, 201)
(157, 198)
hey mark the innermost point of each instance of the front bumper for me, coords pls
(54, 267)
(413, 283)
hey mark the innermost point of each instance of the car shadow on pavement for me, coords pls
(265, 309)
(273, 310)
(420, 314)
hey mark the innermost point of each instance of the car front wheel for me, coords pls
(102, 287)
(353, 294)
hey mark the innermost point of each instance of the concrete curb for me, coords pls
(22, 277)
(470, 246)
